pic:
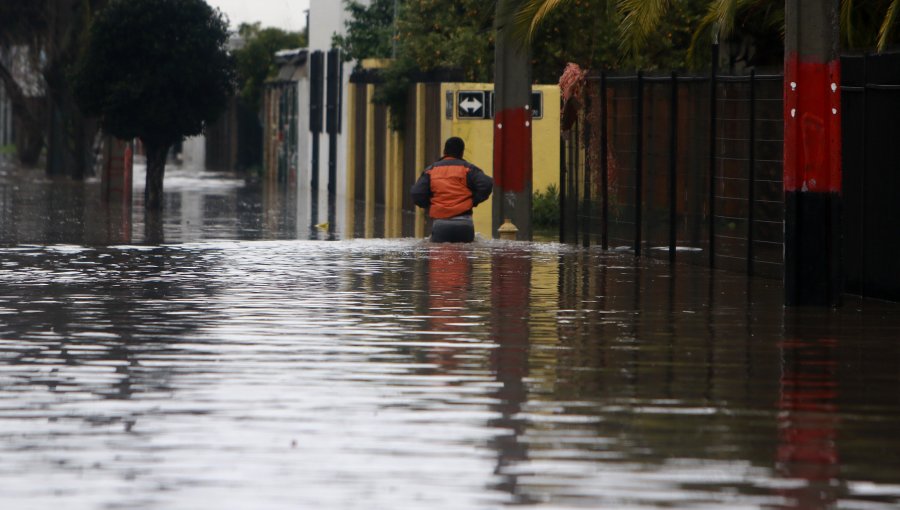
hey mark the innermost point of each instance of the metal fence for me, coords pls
(871, 185)
(636, 171)
(681, 167)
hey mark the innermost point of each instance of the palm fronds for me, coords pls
(639, 19)
(886, 30)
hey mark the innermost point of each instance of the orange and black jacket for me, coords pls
(451, 187)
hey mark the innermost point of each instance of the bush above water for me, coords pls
(545, 207)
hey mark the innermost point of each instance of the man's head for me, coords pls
(454, 147)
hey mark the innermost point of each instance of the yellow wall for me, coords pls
(479, 137)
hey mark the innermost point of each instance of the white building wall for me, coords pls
(303, 150)
(327, 18)
(193, 153)
(6, 137)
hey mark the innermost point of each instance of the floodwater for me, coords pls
(235, 366)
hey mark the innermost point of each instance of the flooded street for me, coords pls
(239, 365)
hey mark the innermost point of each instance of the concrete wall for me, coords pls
(385, 163)
(6, 133)
(479, 137)
(326, 18)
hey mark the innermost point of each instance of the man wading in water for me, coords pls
(449, 189)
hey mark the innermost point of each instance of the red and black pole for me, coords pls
(812, 154)
(512, 127)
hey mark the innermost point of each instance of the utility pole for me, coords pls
(512, 126)
(812, 153)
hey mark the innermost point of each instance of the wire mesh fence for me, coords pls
(681, 167)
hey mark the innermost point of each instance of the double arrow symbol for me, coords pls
(470, 105)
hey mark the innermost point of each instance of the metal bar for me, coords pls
(575, 175)
(712, 154)
(586, 192)
(563, 184)
(862, 180)
(638, 165)
(673, 166)
(751, 181)
(878, 86)
(604, 163)
(737, 78)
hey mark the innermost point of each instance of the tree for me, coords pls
(156, 70)
(865, 25)
(255, 61)
(47, 34)
(420, 36)
(370, 30)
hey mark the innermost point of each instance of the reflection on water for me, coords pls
(399, 374)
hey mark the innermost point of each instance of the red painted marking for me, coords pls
(512, 149)
(129, 171)
(812, 125)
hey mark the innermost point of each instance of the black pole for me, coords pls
(864, 165)
(604, 164)
(333, 111)
(576, 166)
(673, 166)
(563, 184)
(638, 164)
(751, 180)
(316, 99)
(333, 114)
(586, 192)
(812, 154)
(712, 153)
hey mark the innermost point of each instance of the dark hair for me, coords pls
(454, 146)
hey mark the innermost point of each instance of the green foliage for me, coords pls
(255, 61)
(448, 34)
(370, 30)
(545, 207)
(589, 33)
(7, 150)
(155, 69)
(430, 35)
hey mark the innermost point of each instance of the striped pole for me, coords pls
(812, 154)
(512, 129)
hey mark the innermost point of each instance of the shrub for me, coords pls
(545, 207)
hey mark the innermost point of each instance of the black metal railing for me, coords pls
(682, 167)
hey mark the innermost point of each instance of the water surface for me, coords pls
(229, 368)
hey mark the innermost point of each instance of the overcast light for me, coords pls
(285, 14)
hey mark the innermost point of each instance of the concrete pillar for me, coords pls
(512, 129)
(420, 153)
(350, 202)
(369, 228)
(812, 153)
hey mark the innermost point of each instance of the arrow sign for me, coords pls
(471, 104)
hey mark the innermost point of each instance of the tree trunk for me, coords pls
(29, 142)
(31, 125)
(70, 137)
(156, 168)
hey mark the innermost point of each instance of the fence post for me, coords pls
(812, 154)
(714, 69)
(863, 171)
(587, 209)
(574, 161)
(316, 111)
(673, 166)
(604, 163)
(751, 177)
(563, 185)
(638, 165)
(333, 110)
